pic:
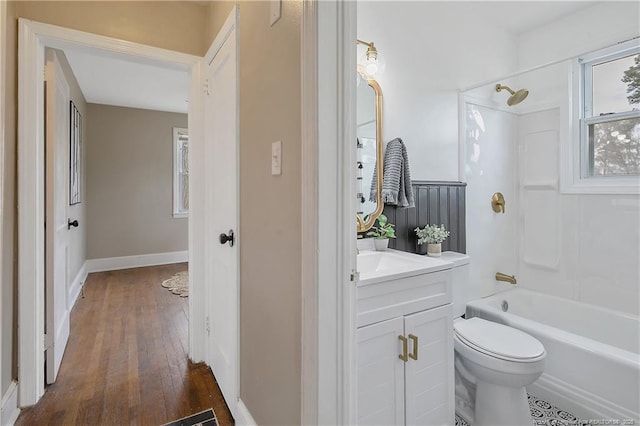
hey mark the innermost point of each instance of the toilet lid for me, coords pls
(498, 340)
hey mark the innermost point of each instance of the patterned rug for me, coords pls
(203, 418)
(178, 284)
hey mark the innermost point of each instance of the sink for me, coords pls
(378, 266)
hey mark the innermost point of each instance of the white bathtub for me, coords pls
(593, 361)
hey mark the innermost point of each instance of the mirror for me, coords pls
(369, 152)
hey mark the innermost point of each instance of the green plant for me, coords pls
(384, 229)
(432, 234)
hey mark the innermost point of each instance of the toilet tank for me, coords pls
(461, 281)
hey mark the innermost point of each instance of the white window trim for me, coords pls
(177, 214)
(574, 154)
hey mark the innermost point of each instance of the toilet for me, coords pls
(493, 362)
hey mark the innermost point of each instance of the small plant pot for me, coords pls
(381, 245)
(434, 250)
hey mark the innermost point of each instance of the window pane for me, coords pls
(615, 85)
(614, 147)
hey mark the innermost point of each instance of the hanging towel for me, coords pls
(396, 178)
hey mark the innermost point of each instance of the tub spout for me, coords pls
(511, 279)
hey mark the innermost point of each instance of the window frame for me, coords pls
(178, 212)
(577, 177)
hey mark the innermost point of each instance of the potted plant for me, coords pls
(382, 233)
(433, 236)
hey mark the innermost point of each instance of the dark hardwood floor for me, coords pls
(126, 360)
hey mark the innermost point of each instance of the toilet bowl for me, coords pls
(495, 363)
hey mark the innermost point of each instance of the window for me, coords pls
(180, 172)
(609, 117)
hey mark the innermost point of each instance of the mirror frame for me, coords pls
(371, 218)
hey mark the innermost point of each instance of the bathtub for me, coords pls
(593, 361)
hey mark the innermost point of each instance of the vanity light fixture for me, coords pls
(372, 63)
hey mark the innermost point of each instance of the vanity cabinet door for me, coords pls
(429, 378)
(381, 374)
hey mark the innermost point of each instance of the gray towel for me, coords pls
(396, 179)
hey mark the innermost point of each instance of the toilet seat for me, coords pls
(498, 340)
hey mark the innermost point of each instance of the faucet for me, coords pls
(511, 279)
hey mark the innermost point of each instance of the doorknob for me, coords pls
(71, 223)
(224, 238)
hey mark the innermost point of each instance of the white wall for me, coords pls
(432, 50)
(603, 24)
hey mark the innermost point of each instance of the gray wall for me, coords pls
(270, 247)
(130, 184)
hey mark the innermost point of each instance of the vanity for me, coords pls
(404, 320)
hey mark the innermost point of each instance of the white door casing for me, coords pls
(221, 137)
(33, 38)
(56, 230)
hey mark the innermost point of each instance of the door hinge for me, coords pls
(207, 325)
(355, 276)
(45, 343)
(205, 87)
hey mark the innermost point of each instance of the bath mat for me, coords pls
(203, 418)
(178, 284)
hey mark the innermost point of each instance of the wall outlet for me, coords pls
(276, 158)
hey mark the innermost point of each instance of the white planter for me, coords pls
(381, 245)
(434, 250)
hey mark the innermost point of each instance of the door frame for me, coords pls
(33, 38)
(328, 185)
(3, 99)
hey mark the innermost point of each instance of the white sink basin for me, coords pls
(378, 266)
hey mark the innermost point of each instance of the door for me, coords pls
(429, 374)
(380, 374)
(56, 230)
(221, 207)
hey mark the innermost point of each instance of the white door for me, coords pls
(380, 374)
(429, 378)
(56, 233)
(221, 207)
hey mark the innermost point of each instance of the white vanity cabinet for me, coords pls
(408, 383)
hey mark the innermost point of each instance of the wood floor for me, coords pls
(126, 360)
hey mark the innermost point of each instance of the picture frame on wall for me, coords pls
(75, 155)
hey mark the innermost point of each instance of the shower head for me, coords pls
(516, 97)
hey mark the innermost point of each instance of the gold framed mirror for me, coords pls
(369, 152)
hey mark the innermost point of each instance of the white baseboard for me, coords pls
(76, 285)
(9, 411)
(244, 416)
(137, 261)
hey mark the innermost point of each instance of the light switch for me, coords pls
(276, 7)
(276, 158)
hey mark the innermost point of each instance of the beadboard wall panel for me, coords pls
(436, 203)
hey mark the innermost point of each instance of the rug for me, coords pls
(178, 284)
(203, 418)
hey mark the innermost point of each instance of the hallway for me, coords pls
(126, 360)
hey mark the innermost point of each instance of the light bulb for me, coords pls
(371, 64)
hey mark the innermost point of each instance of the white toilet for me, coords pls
(493, 362)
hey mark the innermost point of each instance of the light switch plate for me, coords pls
(276, 158)
(276, 10)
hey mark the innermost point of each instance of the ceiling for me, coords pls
(123, 81)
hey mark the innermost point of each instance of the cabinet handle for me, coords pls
(414, 340)
(403, 356)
